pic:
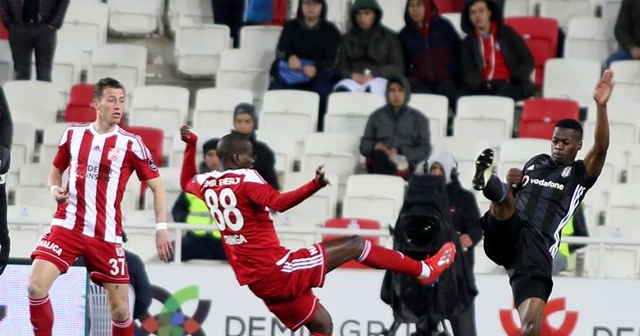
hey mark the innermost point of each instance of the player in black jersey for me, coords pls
(522, 227)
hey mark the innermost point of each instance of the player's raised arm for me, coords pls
(189, 169)
(265, 195)
(594, 160)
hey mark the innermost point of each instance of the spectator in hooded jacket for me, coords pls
(396, 137)
(245, 122)
(32, 26)
(466, 222)
(369, 53)
(308, 45)
(431, 48)
(494, 59)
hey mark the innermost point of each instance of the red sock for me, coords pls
(41, 316)
(122, 328)
(381, 258)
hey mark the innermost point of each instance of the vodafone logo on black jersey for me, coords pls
(542, 182)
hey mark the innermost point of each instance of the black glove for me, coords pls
(5, 159)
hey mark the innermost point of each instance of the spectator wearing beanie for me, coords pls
(200, 244)
(245, 122)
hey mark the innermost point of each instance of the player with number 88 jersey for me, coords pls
(240, 201)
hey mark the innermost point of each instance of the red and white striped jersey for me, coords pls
(99, 167)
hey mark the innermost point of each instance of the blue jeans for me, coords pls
(618, 55)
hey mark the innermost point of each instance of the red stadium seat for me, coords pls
(449, 6)
(350, 223)
(153, 138)
(80, 106)
(539, 116)
(541, 36)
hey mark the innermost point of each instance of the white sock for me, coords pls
(426, 270)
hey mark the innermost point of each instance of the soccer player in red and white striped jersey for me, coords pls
(239, 199)
(99, 157)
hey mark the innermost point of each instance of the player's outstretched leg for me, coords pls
(343, 249)
(484, 179)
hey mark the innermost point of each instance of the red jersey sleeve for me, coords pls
(143, 163)
(63, 156)
(264, 194)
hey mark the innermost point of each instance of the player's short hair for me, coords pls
(103, 83)
(570, 124)
(230, 144)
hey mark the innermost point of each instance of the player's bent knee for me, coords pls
(120, 311)
(36, 289)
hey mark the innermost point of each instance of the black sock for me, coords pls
(495, 190)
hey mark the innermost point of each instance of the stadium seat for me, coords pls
(338, 152)
(135, 17)
(352, 223)
(195, 58)
(627, 80)
(294, 112)
(514, 153)
(20, 97)
(517, 8)
(163, 107)
(86, 31)
(447, 6)
(260, 38)
(434, 107)
(539, 116)
(571, 79)
(393, 16)
(126, 62)
(565, 10)
(193, 12)
(589, 38)
(50, 141)
(612, 261)
(23, 224)
(610, 9)
(623, 131)
(372, 196)
(138, 240)
(348, 112)
(465, 150)
(24, 139)
(320, 206)
(6, 61)
(541, 36)
(633, 163)
(214, 107)
(170, 177)
(204, 133)
(245, 69)
(486, 117)
(152, 138)
(283, 146)
(623, 208)
(80, 107)
(66, 72)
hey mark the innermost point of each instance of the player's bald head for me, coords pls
(230, 144)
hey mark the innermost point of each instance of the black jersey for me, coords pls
(550, 194)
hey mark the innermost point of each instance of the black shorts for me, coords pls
(523, 252)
